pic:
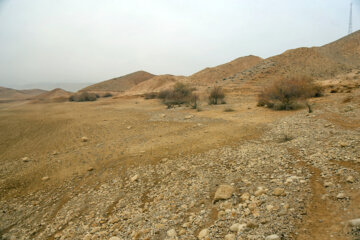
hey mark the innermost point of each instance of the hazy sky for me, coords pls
(92, 40)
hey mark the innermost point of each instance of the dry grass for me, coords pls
(216, 96)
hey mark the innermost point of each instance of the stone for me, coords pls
(343, 144)
(224, 192)
(252, 224)
(188, 116)
(90, 169)
(134, 178)
(55, 153)
(114, 238)
(340, 196)
(237, 227)
(272, 237)
(230, 237)
(350, 179)
(162, 115)
(45, 178)
(269, 207)
(259, 192)
(355, 222)
(84, 139)
(279, 192)
(245, 197)
(25, 159)
(328, 184)
(171, 233)
(203, 234)
(128, 127)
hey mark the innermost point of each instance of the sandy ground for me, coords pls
(45, 140)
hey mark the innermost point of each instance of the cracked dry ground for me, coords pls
(150, 173)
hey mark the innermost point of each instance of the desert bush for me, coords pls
(83, 97)
(180, 94)
(216, 96)
(287, 93)
(229, 110)
(150, 95)
(163, 94)
(194, 101)
(107, 95)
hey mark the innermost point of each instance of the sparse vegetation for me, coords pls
(83, 97)
(107, 95)
(217, 96)
(180, 94)
(150, 95)
(229, 110)
(287, 93)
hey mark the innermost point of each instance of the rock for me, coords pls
(340, 196)
(134, 178)
(279, 192)
(245, 197)
(224, 192)
(355, 222)
(90, 169)
(114, 238)
(188, 116)
(269, 207)
(55, 153)
(252, 224)
(350, 179)
(230, 237)
(272, 237)
(259, 192)
(84, 139)
(171, 233)
(162, 115)
(203, 234)
(328, 184)
(45, 178)
(25, 159)
(343, 144)
(128, 127)
(237, 227)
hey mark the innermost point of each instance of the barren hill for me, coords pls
(211, 75)
(13, 94)
(323, 62)
(120, 84)
(155, 84)
(55, 95)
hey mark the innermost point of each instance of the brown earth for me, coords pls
(9, 94)
(55, 95)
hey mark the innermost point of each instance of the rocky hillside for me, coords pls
(55, 95)
(120, 84)
(338, 57)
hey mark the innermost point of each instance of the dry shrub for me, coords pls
(229, 110)
(107, 95)
(216, 96)
(83, 97)
(180, 94)
(150, 95)
(287, 93)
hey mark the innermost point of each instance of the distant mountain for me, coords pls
(120, 84)
(13, 94)
(55, 95)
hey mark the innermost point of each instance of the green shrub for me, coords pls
(180, 94)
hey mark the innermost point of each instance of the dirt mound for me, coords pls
(13, 94)
(215, 74)
(55, 95)
(120, 84)
(324, 62)
(155, 84)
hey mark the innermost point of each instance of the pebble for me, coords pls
(84, 139)
(25, 159)
(134, 178)
(230, 237)
(203, 234)
(171, 233)
(114, 238)
(355, 222)
(188, 116)
(224, 192)
(350, 179)
(341, 196)
(272, 237)
(279, 192)
(45, 178)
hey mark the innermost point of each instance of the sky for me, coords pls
(54, 43)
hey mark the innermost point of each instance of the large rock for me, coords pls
(355, 222)
(279, 192)
(203, 234)
(272, 237)
(224, 192)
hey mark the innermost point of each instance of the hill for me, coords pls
(212, 75)
(55, 95)
(155, 84)
(13, 94)
(324, 62)
(120, 84)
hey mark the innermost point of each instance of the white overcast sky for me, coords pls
(76, 41)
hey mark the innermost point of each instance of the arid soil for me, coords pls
(128, 168)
